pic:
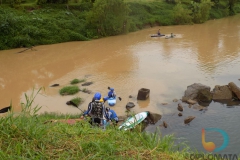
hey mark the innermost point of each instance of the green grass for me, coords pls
(26, 136)
(69, 90)
(75, 81)
(77, 100)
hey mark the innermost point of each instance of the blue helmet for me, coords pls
(97, 96)
(112, 89)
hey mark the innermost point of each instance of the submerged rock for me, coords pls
(54, 85)
(165, 125)
(87, 83)
(175, 100)
(180, 108)
(190, 101)
(130, 105)
(188, 119)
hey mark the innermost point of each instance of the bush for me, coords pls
(75, 81)
(69, 90)
(76, 101)
(182, 15)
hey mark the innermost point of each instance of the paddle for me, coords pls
(6, 109)
(73, 104)
(118, 97)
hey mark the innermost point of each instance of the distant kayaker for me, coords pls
(112, 115)
(159, 32)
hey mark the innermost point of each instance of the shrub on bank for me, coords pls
(33, 24)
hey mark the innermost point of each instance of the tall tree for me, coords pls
(231, 4)
(109, 17)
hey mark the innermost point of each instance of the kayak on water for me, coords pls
(156, 35)
(111, 101)
(133, 121)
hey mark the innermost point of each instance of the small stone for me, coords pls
(189, 119)
(190, 101)
(164, 103)
(165, 125)
(179, 114)
(180, 108)
(175, 100)
(54, 85)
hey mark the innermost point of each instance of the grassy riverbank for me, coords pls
(29, 23)
(25, 135)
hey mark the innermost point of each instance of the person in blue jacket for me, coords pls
(111, 94)
(96, 110)
(112, 115)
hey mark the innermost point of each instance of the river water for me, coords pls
(206, 53)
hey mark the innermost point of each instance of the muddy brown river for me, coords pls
(206, 53)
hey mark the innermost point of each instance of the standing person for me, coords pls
(97, 111)
(112, 115)
(159, 32)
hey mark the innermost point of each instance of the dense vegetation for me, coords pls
(25, 23)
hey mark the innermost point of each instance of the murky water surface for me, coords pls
(206, 53)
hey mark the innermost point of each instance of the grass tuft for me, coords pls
(69, 90)
(77, 100)
(75, 81)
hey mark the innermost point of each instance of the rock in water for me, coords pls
(54, 85)
(165, 124)
(143, 94)
(87, 83)
(235, 89)
(188, 119)
(179, 114)
(180, 108)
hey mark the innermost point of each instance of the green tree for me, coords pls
(109, 17)
(200, 11)
(231, 4)
(182, 15)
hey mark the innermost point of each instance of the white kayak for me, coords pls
(133, 121)
(112, 101)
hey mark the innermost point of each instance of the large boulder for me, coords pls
(143, 94)
(153, 118)
(222, 93)
(192, 90)
(235, 89)
(204, 97)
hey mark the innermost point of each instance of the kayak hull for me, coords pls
(111, 101)
(133, 121)
(158, 35)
